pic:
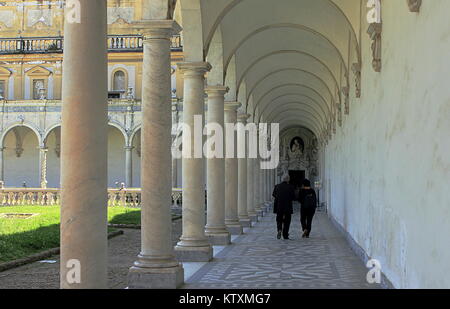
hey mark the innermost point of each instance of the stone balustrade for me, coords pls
(36, 45)
(48, 197)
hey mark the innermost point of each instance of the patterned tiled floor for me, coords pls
(258, 260)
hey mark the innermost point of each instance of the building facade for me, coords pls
(31, 54)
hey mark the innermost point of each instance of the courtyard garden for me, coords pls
(26, 230)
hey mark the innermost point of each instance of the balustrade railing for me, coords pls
(49, 197)
(56, 44)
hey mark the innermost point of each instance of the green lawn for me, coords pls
(22, 237)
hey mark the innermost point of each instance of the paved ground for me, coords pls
(258, 260)
(122, 252)
(255, 260)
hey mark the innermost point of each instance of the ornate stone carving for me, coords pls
(356, 68)
(374, 32)
(19, 151)
(346, 92)
(120, 15)
(414, 5)
(339, 113)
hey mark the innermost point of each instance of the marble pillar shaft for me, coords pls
(84, 139)
(231, 171)
(129, 166)
(256, 185)
(215, 225)
(2, 171)
(250, 189)
(193, 244)
(156, 266)
(242, 173)
(43, 166)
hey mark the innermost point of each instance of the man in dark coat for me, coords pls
(308, 201)
(284, 194)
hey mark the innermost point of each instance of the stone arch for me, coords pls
(21, 124)
(320, 96)
(282, 52)
(21, 155)
(229, 7)
(297, 106)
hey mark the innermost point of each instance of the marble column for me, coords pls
(174, 160)
(2, 171)
(243, 215)
(84, 139)
(43, 150)
(215, 229)
(263, 191)
(257, 187)
(129, 166)
(250, 190)
(156, 266)
(193, 245)
(231, 175)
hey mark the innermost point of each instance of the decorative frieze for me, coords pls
(414, 5)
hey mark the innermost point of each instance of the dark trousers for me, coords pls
(283, 223)
(306, 217)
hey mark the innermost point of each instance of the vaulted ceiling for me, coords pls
(286, 61)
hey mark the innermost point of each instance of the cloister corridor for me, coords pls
(255, 260)
(205, 109)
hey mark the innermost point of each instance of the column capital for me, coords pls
(157, 29)
(194, 68)
(242, 118)
(216, 91)
(232, 106)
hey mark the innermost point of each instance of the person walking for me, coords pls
(308, 201)
(284, 195)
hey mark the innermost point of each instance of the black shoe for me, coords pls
(305, 233)
(279, 235)
(286, 238)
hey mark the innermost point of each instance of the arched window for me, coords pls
(119, 81)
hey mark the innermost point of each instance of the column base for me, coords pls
(254, 217)
(246, 222)
(223, 239)
(155, 278)
(194, 254)
(235, 229)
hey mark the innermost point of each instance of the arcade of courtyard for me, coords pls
(360, 92)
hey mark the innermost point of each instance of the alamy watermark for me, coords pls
(374, 14)
(374, 274)
(73, 11)
(231, 141)
(73, 275)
